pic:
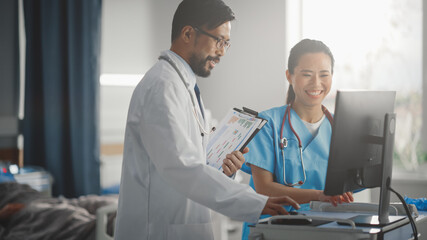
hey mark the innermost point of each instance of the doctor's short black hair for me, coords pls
(200, 13)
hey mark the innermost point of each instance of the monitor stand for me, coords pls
(383, 218)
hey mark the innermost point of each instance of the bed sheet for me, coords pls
(44, 217)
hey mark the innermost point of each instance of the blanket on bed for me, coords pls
(41, 217)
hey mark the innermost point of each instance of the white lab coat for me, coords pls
(166, 187)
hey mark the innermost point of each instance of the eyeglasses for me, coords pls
(220, 43)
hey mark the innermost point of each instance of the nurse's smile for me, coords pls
(314, 93)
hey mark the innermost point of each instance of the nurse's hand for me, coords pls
(233, 162)
(274, 205)
(337, 199)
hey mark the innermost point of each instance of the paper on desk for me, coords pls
(233, 132)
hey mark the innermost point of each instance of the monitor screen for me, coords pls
(355, 158)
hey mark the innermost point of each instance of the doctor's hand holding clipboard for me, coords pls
(228, 144)
(233, 162)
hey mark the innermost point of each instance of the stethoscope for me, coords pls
(202, 129)
(284, 143)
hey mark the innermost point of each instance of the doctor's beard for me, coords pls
(201, 66)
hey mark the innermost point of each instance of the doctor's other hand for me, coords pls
(233, 162)
(274, 205)
(337, 199)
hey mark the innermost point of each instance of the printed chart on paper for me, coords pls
(235, 129)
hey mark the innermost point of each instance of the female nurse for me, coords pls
(289, 156)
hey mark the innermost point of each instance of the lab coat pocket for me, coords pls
(190, 231)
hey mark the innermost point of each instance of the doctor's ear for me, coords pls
(186, 33)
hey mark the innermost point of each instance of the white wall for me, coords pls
(133, 35)
(113, 113)
(252, 73)
(424, 116)
(127, 36)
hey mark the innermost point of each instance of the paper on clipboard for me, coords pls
(235, 131)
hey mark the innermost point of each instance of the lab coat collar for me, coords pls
(190, 81)
(183, 66)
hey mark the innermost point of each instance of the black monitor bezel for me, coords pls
(357, 173)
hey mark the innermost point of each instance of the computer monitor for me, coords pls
(361, 152)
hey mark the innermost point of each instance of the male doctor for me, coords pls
(166, 188)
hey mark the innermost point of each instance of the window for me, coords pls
(377, 45)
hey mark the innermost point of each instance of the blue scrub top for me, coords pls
(265, 152)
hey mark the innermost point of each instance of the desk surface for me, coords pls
(332, 230)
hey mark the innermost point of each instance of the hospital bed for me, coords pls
(102, 220)
(28, 214)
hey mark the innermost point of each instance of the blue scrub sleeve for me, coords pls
(261, 148)
(246, 168)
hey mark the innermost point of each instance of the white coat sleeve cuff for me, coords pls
(253, 218)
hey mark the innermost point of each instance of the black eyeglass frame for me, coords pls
(220, 42)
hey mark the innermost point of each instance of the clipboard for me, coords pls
(234, 132)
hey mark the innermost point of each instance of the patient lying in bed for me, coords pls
(27, 214)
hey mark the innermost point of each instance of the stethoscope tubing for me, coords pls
(283, 144)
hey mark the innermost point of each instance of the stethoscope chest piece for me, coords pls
(283, 143)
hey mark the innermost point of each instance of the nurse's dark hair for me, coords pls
(200, 13)
(303, 47)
